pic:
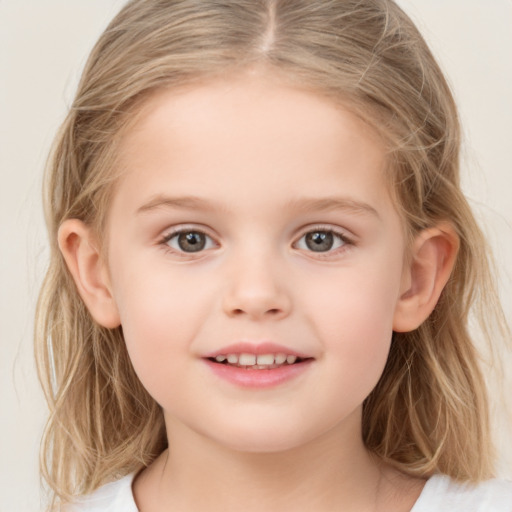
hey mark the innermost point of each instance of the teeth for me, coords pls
(232, 358)
(280, 358)
(265, 359)
(257, 362)
(247, 360)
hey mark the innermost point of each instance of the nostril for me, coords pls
(269, 312)
(256, 306)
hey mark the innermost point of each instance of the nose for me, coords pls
(256, 289)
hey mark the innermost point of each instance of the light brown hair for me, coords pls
(428, 412)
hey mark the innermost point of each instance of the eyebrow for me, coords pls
(304, 205)
(325, 204)
(184, 202)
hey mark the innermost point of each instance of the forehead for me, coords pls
(256, 98)
(252, 134)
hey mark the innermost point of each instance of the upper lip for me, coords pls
(265, 347)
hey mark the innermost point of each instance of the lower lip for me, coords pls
(258, 378)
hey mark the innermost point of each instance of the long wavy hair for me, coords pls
(429, 411)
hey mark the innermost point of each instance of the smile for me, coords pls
(258, 365)
(257, 361)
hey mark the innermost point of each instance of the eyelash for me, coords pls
(346, 241)
(175, 233)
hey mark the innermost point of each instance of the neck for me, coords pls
(332, 472)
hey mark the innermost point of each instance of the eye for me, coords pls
(321, 240)
(188, 241)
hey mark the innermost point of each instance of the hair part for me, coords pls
(428, 412)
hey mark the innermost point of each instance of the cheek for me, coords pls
(357, 335)
(159, 318)
(353, 318)
(359, 301)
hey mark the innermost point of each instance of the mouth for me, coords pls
(258, 365)
(250, 361)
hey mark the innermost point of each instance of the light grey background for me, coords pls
(43, 46)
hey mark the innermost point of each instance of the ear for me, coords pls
(431, 262)
(77, 244)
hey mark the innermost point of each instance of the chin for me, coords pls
(264, 439)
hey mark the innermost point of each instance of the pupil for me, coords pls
(191, 242)
(319, 241)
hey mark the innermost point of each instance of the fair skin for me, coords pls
(293, 239)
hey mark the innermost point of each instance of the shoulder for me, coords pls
(441, 493)
(113, 497)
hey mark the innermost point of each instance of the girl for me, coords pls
(262, 269)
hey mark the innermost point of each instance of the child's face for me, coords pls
(292, 240)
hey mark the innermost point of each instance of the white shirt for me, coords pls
(440, 494)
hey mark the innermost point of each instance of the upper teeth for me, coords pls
(253, 359)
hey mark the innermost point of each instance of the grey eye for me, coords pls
(320, 241)
(189, 241)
